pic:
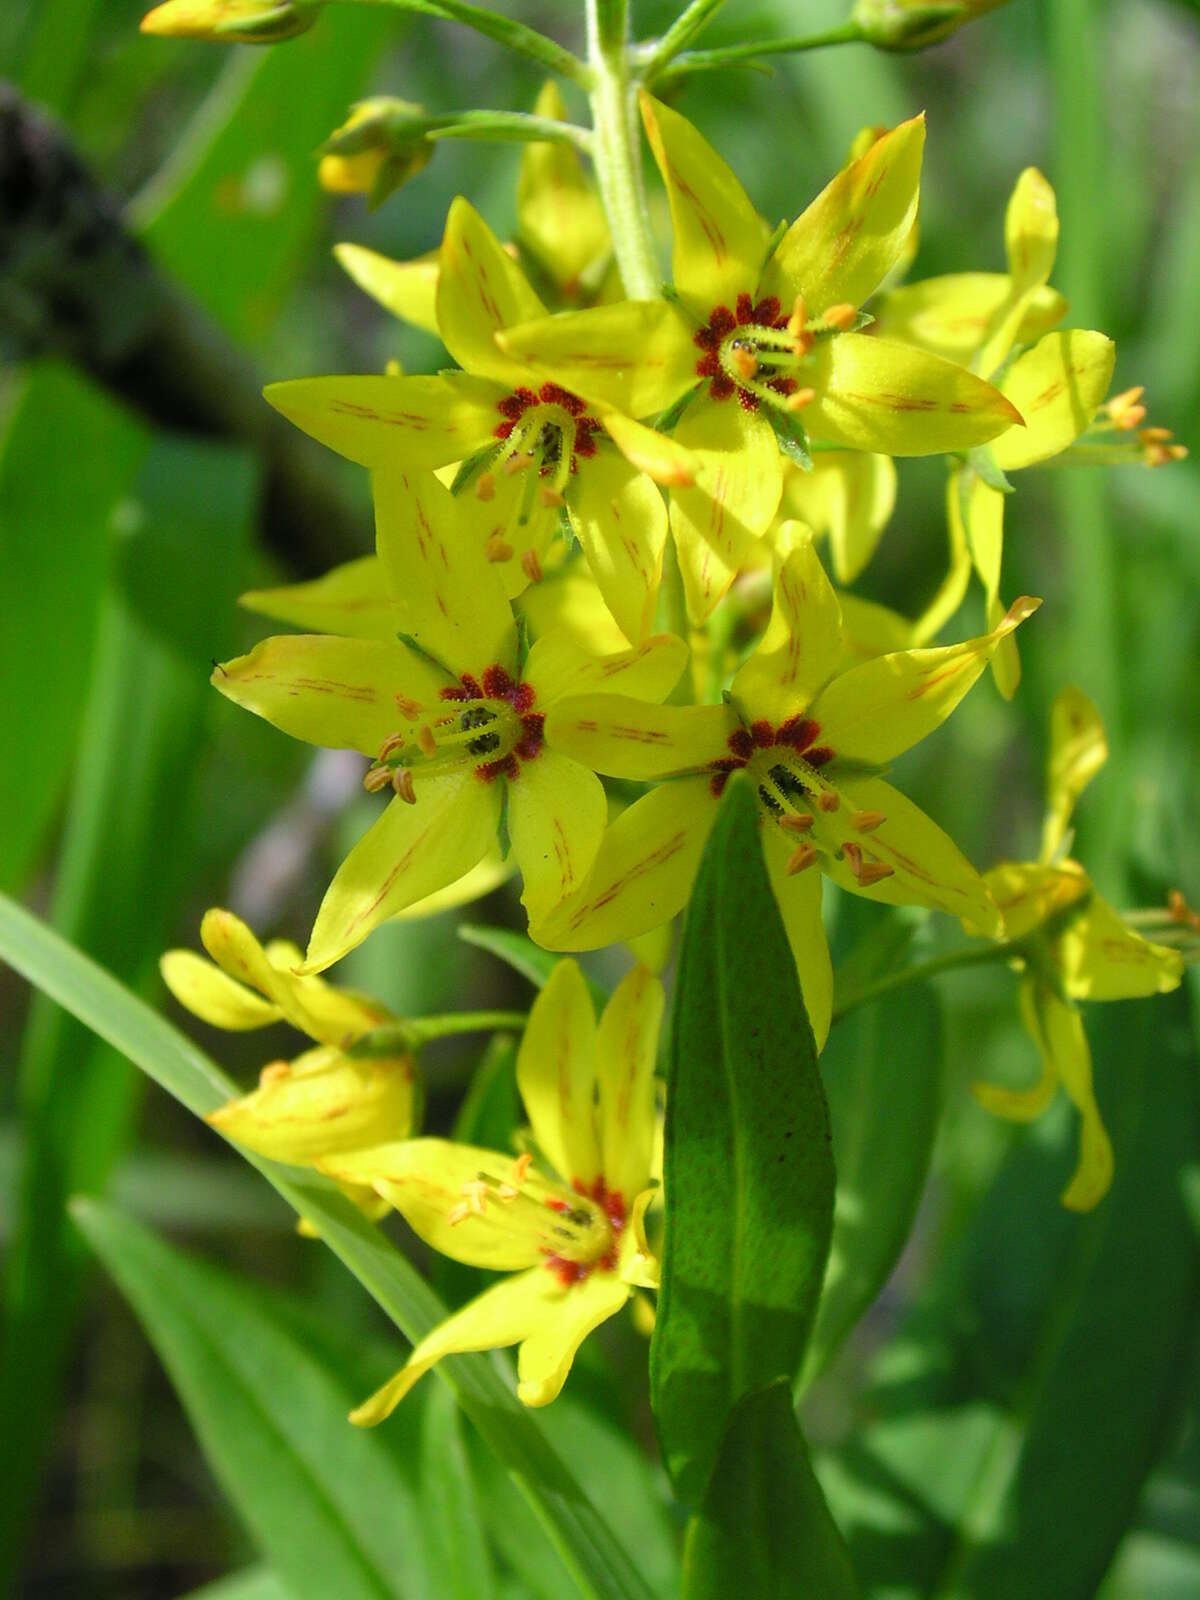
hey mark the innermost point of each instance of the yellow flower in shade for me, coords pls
(379, 147)
(454, 720)
(812, 744)
(762, 347)
(536, 453)
(1057, 385)
(574, 1243)
(322, 1102)
(1078, 948)
(235, 21)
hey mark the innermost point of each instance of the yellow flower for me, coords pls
(849, 495)
(534, 453)
(1077, 948)
(574, 1244)
(322, 1102)
(812, 744)
(376, 150)
(758, 347)
(453, 718)
(240, 21)
(1057, 385)
(561, 224)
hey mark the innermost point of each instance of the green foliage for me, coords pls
(748, 1171)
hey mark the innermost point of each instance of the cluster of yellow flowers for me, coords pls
(597, 557)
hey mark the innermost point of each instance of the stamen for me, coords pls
(393, 742)
(799, 317)
(519, 461)
(866, 872)
(803, 856)
(485, 489)
(410, 710)
(745, 361)
(829, 800)
(497, 548)
(866, 821)
(377, 778)
(426, 742)
(841, 316)
(273, 1072)
(549, 497)
(531, 566)
(402, 783)
(510, 1191)
(800, 399)
(797, 822)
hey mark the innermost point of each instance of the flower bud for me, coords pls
(912, 24)
(238, 21)
(324, 1103)
(379, 147)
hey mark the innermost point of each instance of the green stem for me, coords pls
(616, 152)
(680, 34)
(398, 1038)
(970, 956)
(505, 31)
(508, 125)
(741, 54)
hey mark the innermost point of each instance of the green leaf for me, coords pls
(232, 212)
(882, 1070)
(522, 955)
(1021, 1408)
(325, 1501)
(597, 1562)
(56, 511)
(764, 1530)
(748, 1172)
(177, 560)
(791, 436)
(451, 1506)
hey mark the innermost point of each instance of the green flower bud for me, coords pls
(240, 21)
(912, 24)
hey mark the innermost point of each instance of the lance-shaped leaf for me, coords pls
(748, 1171)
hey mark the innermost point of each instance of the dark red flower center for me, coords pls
(565, 429)
(723, 345)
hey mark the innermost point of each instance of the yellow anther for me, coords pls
(841, 316)
(799, 398)
(393, 742)
(402, 783)
(746, 363)
(426, 743)
(273, 1072)
(475, 1193)
(377, 778)
(549, 497)
(1155, 435)
(531, 566)
(798, 822)
(1124, 408)
(804, 855)
(486, 486)
(458, 1213)
(829, 800)
(866, 821)
(497, 548)
(798, 318)
(866, 872)
(518, 462)
(510, 1191)
(409, 709)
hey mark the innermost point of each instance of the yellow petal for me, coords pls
(339, 693)
(802, 643)
(644, 870)
(656, 454)
(1057, 1030)
(408, 289)
(482, 879)
(545, 1357)
(620, 520)
(324, 1103)
(570, 602)
(560, 220)
(556, 1074)
(1101, 958)
(351, 600)
(928, 868)
(410, 852)
(719, 238)
(1027, 894)
(212, 995)
(627, 738)
(798, 897)
(950, 316)
(718, 519)
(843, 246)
(1057, 387)
(480, 291)
(850, 495)
(874, 395)
(1023, 1105)
(949, 594)
(558, 666)
(636, 356)
(1031, 241)
(627, 1049)
(500, 1316)
(982, 510)
(1078, 749)
(452, 600)
(556, 816)
(427, 1180)
(875, 711)
(377, 421)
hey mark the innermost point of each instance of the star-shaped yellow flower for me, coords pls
(760, 346)
(1077, 948)
(535, 449)
(813, 743)
(454, 720)
(574, 1243)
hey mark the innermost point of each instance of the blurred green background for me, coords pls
(133, 797)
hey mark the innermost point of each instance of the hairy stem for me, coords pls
(616, 151)
(970, 956)
(735, 55)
